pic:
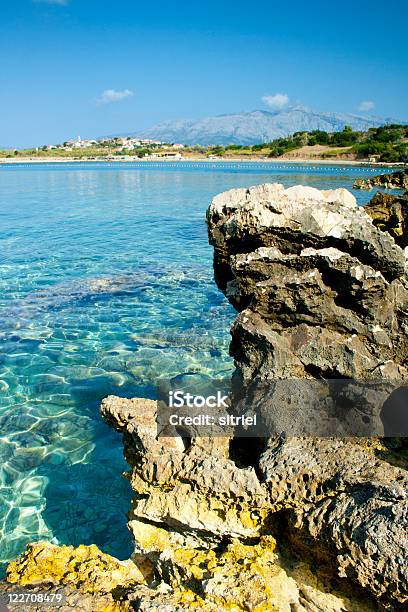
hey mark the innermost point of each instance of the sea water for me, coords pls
(106, 286)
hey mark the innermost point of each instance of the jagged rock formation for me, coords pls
(203, 523)
(392, 180)
(217, 522)
(322, 293)
(99, 572)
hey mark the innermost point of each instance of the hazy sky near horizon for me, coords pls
(93, 67)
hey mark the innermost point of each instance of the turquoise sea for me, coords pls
(105, 286)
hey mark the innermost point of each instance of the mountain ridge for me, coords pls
(258, 126)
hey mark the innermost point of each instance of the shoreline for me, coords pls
(318, 162)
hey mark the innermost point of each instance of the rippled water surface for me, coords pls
(106, 286)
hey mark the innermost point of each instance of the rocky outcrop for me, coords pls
(99, 572)
(204, 523)
(202, 528)
(351, 505)
(389, 211)
(392, 180)
(322, 293)
(390, 214)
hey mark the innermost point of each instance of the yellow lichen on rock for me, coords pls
(86, 568)
(247, 577)
(241, 578)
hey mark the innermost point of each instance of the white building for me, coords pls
(81, 144)
(147, 141)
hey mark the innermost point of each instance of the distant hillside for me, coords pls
(388, 143)
(256, 126)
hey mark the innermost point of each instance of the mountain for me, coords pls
(257, 126)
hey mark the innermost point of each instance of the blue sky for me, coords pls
(94, 67)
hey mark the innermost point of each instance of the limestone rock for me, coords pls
(86, 578)
(203, 523)
(200, 489)
(324, 287)
(58, 597)
(291, 220)
(322, 294)
(344, 496)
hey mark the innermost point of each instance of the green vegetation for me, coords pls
(388, 143)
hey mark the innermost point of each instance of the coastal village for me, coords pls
(121, 145)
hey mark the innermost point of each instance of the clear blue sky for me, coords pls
(95, 67)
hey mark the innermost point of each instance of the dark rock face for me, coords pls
(390, 214)
(322, 293)
(393, 180)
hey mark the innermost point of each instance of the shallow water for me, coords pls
(105, 286)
